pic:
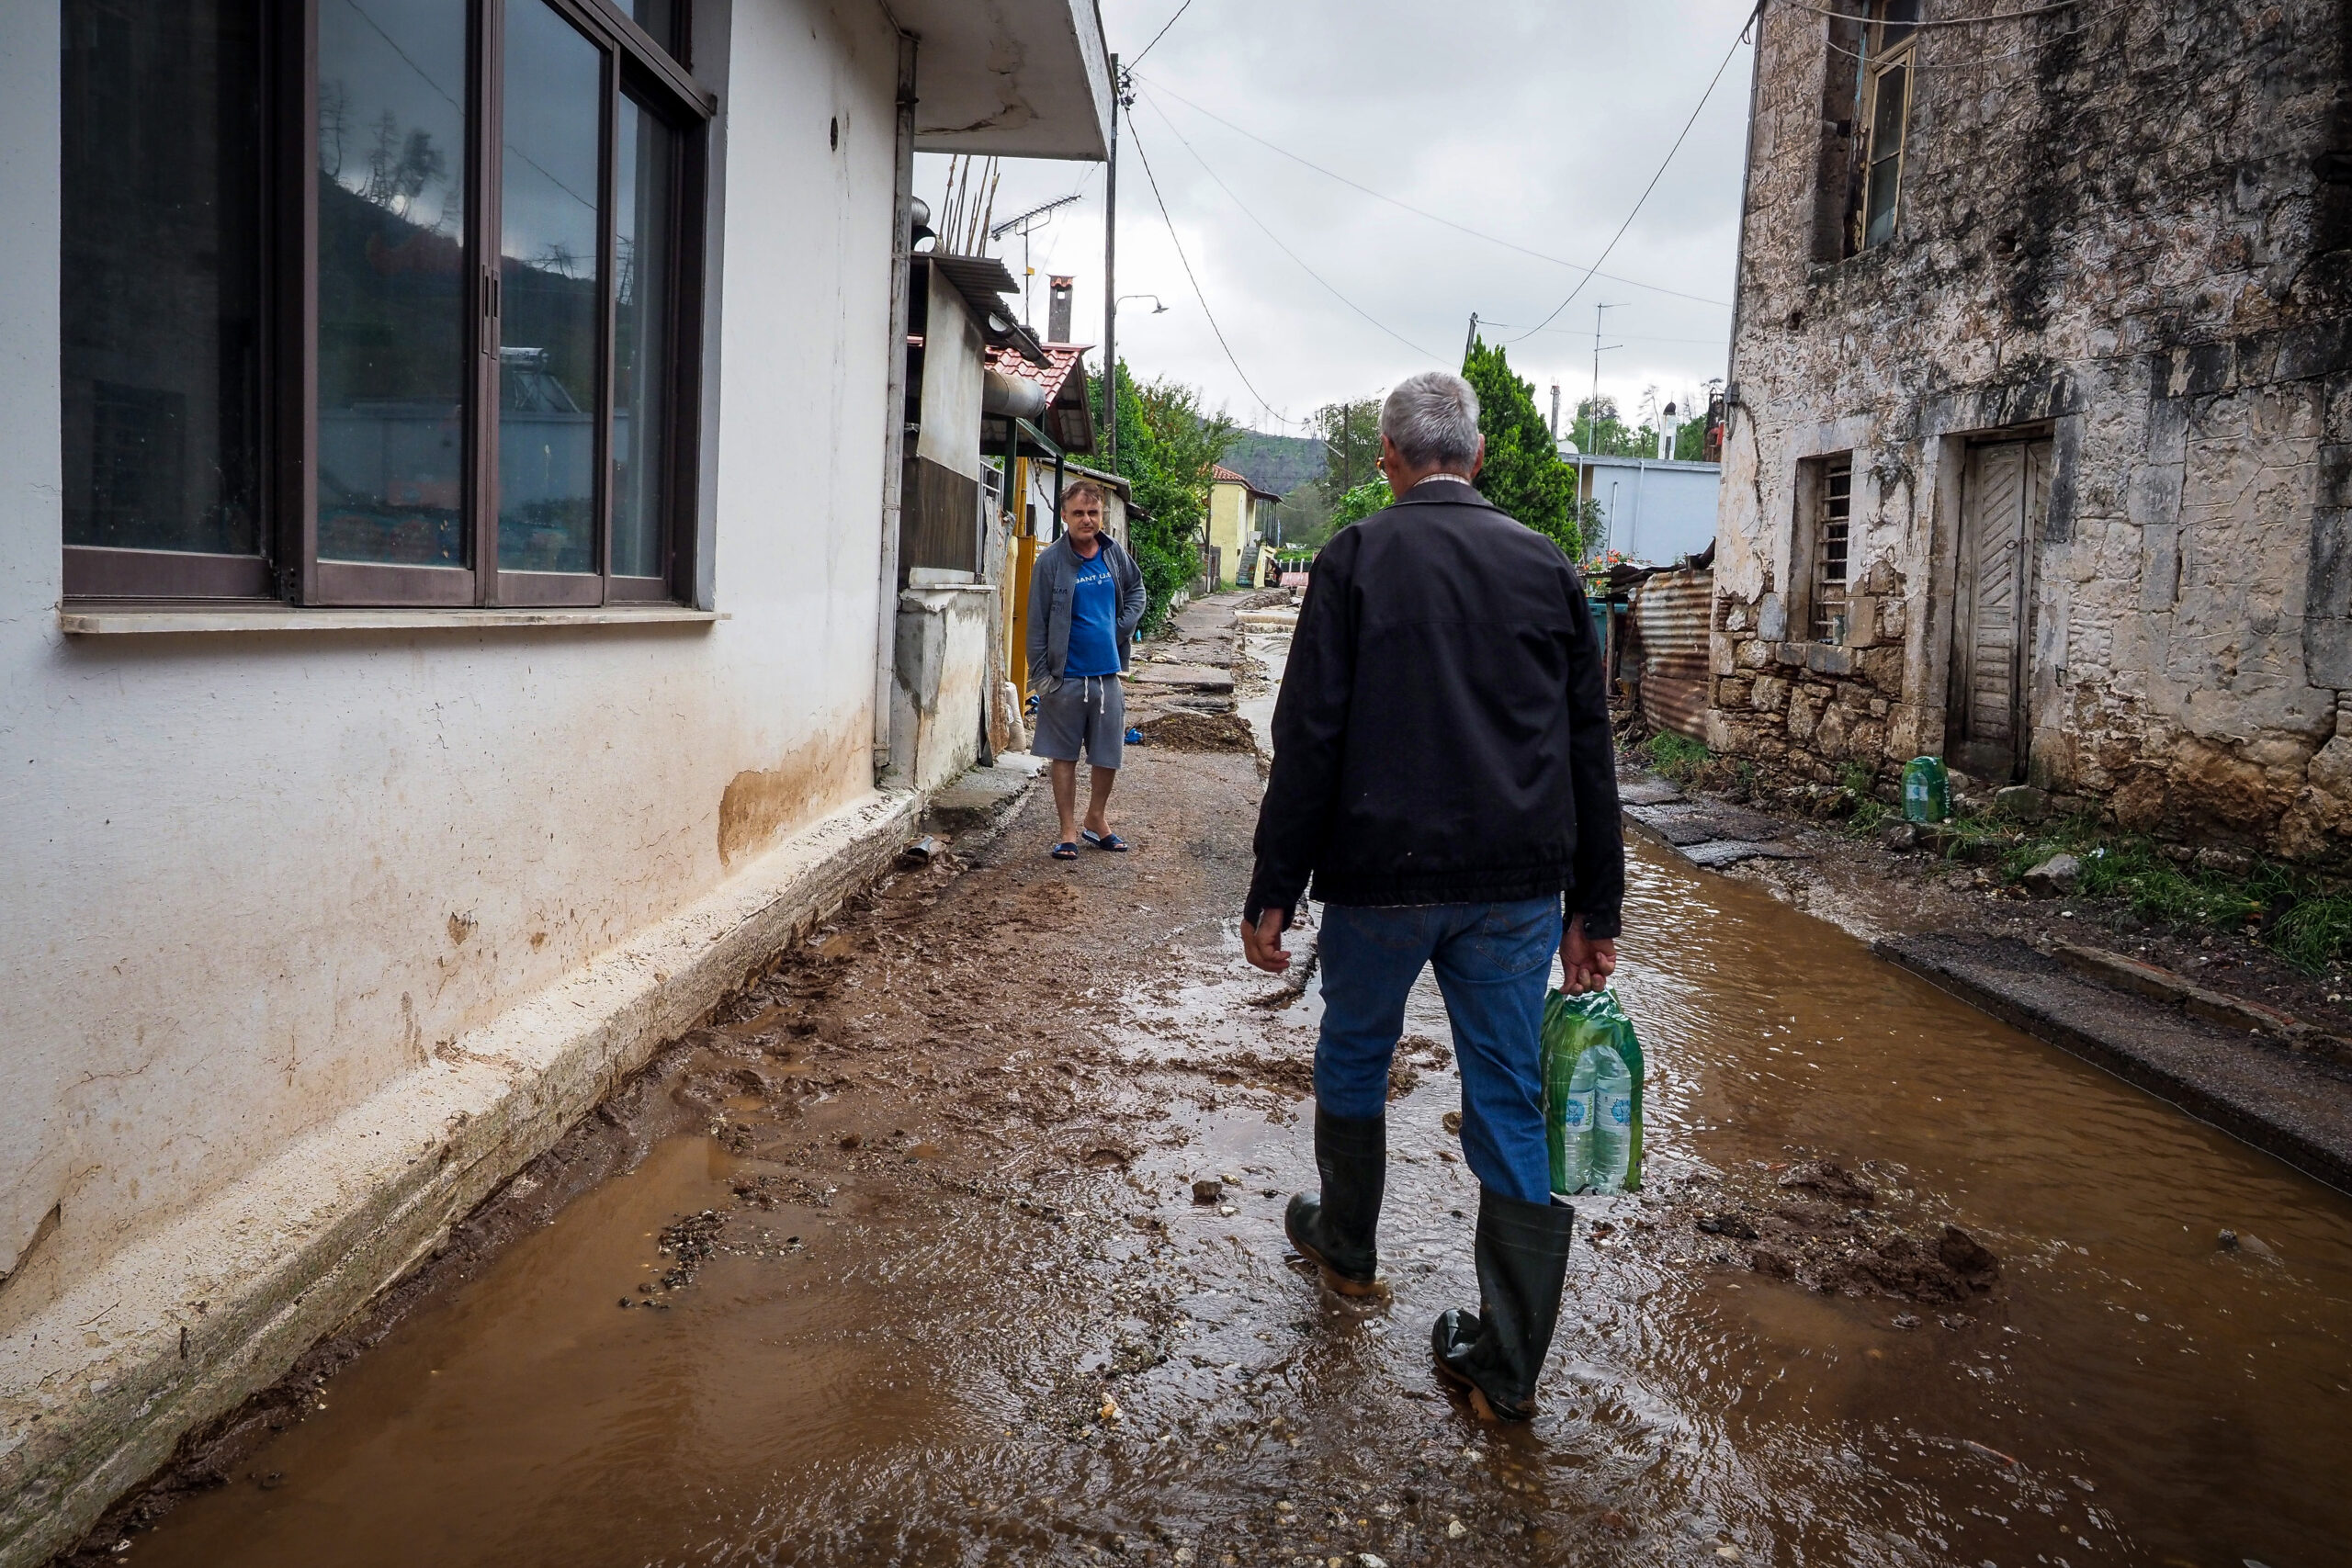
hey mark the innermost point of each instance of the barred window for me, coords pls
(1832, 518)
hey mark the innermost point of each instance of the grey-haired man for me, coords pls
(1086, 599)
(1443, 771)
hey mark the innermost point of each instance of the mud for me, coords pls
(1185, 732)
(1816, 1223)
(937, 1285)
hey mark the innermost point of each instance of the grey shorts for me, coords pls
(1084, 711)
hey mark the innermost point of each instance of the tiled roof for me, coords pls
(1065, 358)
(1224, 475)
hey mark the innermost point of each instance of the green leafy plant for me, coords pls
(1523, 474)
(1678, 757)
(1168, 444)
(1360, 503)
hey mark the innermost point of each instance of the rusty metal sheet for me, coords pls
(1672, 611)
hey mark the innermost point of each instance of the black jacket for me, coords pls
(1443, 734)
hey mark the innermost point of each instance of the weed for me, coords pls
(2314, 932)
(1678, 757)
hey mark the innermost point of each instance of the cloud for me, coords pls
(1536, 123)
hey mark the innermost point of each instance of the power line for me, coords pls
(1157, 36)
(1647, 189)
(1424, 213)
(1269, 234)
(1162, 202)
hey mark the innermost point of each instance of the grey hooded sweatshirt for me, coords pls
(1053, 584)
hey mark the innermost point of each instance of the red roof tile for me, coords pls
(1066, 357)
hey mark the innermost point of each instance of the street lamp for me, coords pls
(1156, 308)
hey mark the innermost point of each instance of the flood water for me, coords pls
(2130, 1393)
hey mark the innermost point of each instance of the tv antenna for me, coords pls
(1021, 223)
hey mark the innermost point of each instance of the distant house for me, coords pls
(1240, 514)
(1652, 511)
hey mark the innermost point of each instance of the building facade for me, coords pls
(1240, 515)
(1653, 510)
(448, 501)
(2041, 396)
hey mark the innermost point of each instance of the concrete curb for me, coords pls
(101, 1383)
(2281, 1101)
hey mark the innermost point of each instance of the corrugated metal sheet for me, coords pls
(1672, 611)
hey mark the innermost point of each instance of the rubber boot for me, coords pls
(1336, 1233)
(1497, 1353)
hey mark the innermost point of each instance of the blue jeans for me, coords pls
(1492, 963)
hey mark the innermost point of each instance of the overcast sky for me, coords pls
(1535, 121)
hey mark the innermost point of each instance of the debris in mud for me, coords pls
(689, 1243)
(1207, 1192)
(1814, 1224)
(1183, 729)
(1829, 1181)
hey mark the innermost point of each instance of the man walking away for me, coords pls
(1086, 599)
(1443, 770)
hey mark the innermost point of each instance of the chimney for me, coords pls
(1058, 310)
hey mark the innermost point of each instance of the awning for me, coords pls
(1015, 78)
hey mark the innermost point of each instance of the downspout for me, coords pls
(1746, 181)
(894, 443)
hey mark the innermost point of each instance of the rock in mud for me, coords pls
(1830, 1180)
(1207, 1192)
(2055, 877)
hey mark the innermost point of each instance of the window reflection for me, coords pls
(645, 189)
(161, 288)
(391, 280)
(549, 268)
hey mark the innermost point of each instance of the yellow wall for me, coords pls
(1229, 526)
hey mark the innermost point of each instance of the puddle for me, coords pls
(992, 1357)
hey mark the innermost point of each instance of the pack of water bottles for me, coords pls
(1592, 1094)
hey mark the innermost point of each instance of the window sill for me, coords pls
(150, 620)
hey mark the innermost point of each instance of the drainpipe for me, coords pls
(894, 443)
(1731, 399)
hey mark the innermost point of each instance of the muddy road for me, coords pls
(906, 1264)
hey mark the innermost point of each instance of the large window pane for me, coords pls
(645, 193)
(161, 287)
(659, 18)
(548, 257)
(391, 280)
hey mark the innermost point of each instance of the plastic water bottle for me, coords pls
(1573, 1170)
(1612, 1119)
(1926, 790)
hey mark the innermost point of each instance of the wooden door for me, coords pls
(2005, 494)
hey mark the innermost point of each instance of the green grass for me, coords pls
(1678, 757)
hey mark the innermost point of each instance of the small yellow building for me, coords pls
(1240, 514)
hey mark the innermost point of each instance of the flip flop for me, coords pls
(1064, 851)
(1111, 841)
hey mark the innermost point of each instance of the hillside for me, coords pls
(1276, 463)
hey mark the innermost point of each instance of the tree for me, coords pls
(1523, 474)
(1351, 436)
(1610, 436)
(1361, 503)
(1168, 444)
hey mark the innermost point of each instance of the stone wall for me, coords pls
(2123, 230)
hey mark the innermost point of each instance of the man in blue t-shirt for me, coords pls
(1086, 598)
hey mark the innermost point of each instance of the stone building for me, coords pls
(2041, 398)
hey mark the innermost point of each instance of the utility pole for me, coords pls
(1592, 413)
(1469, 340)
(1110, 283)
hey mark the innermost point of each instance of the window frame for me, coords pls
(1820, 525)
(1883, 57)
(288, 570)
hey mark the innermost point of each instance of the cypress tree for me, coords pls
(1523, 474)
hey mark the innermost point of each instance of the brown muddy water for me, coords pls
(965, 1349)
